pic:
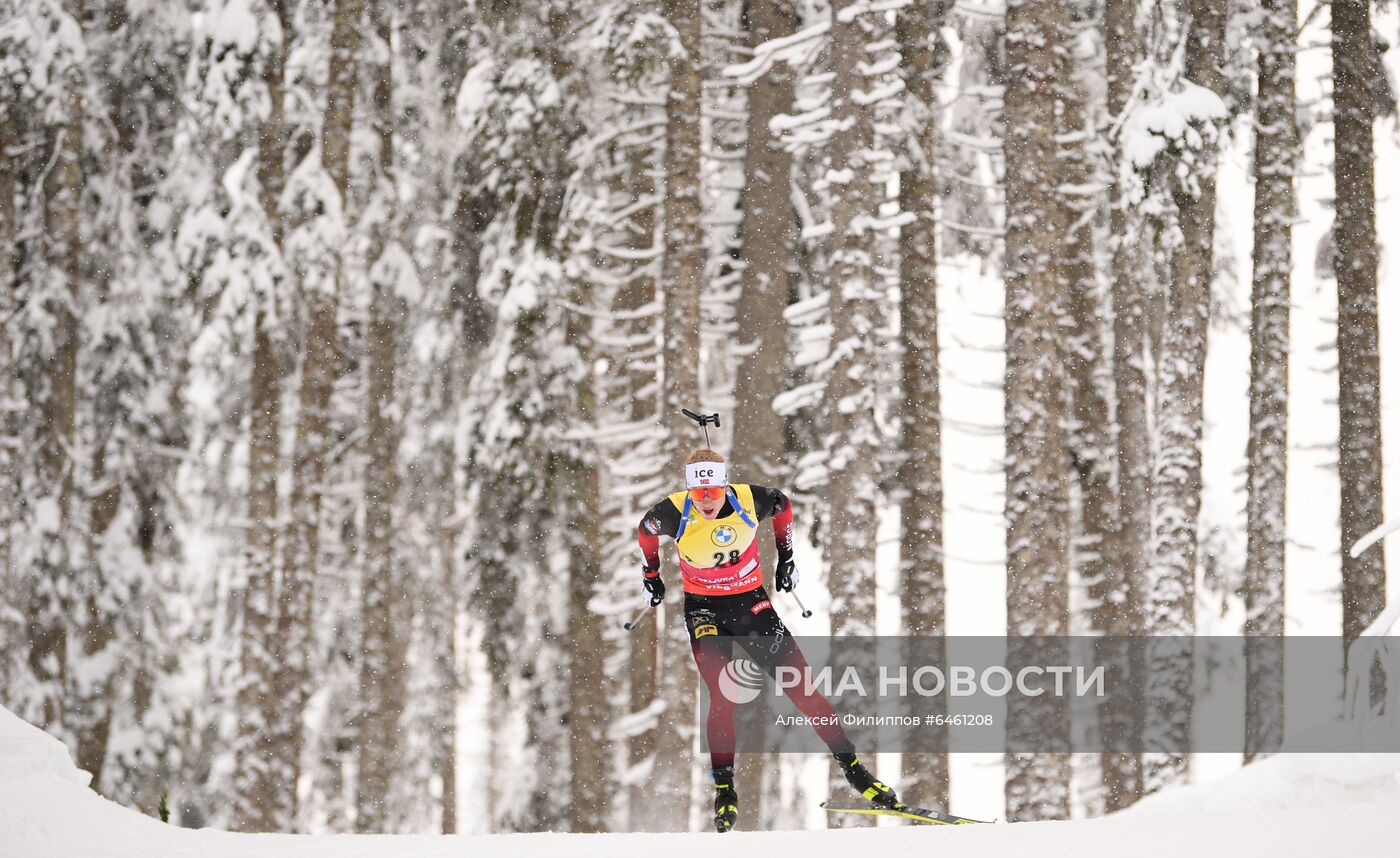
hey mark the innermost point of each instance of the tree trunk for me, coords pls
(430, 491)
(589, 751)
(925, 777)
(1037, 465)
(1090, 430)
(682, 272)
(1181, 376)
(256, 808)
(1358, 339)
(849, 543)
(1117, 592)
(50, 607)
(855, 174)
(9, 241)
(592, 777)
(265, 800)
(272, 136)
(446, 661)
(318, 372)
(1275, 162)
(1091, 441)
(386, 611)
(640, 395)
(469, 220)
(766, 237)
(90, 704)
(11, 603)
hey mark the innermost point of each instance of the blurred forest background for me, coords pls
(344, 341)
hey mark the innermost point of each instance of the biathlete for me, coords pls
(715, 526)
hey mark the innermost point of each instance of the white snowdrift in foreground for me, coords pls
(1300, 781)
(1287, 807)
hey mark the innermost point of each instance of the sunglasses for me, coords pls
(707, 493)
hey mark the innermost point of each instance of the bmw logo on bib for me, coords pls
(724, 535)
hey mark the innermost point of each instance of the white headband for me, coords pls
(702, 474)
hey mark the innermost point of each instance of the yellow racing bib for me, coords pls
(719, 557)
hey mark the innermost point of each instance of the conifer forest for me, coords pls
(343, 346)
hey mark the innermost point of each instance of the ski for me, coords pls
(903, 811)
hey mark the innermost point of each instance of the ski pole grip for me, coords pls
(702, 419)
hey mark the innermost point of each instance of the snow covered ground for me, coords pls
(1288, 807)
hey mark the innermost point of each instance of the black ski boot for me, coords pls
(726, 799)
(859, 776)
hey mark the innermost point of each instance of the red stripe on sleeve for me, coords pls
(651, 550)
(782, 530)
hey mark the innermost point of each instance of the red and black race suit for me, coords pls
(713, 623)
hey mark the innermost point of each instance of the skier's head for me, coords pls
(706, 480)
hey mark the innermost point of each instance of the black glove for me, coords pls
(653, 585)
(786, 576)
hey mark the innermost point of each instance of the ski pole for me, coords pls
(805, 613)
(632, 625)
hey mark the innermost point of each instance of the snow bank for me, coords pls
(26, 753)
(1295, 806)
(1287, 782)
(46, 808)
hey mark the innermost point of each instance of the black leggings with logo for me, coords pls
(712, 621)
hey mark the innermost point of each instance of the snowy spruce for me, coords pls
(343, 346)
